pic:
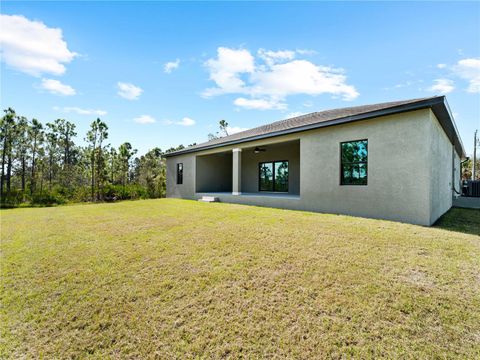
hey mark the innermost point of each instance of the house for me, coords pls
(396, 160)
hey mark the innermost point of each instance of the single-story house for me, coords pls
(396, 160)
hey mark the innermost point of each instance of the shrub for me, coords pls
(48, 199)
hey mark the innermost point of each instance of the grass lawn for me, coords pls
(183, 279)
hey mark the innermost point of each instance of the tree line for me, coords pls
(43, 165)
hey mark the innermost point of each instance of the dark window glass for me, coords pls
(266, 176)
(354, 158)
(179, 173)
(273, 176)
(281, 176)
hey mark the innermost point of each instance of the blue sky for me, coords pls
(248, 63)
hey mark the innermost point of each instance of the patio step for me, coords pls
(209, 199)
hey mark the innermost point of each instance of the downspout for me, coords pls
(460, 170)
(453, 173)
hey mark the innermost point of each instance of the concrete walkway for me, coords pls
(467, 202)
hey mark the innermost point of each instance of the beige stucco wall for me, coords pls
(441, 170)
(187, 189)
(398, 180)
(403, 184)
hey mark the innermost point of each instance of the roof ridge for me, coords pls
(313, 119)
(318, 113)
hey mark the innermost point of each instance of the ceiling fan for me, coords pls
(258, 150)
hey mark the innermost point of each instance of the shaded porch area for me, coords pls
(269, 171)
(214, 173)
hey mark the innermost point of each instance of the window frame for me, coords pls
(273, 176)
(352, 163)
(179, 176)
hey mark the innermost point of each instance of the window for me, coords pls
(266, 177)
(273, 176)
(179, 173)
(354, 156)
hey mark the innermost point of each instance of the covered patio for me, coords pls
(251, 195)
(270, 170)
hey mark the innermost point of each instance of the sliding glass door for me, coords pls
(273, 176)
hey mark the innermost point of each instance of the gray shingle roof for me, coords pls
(318, 119)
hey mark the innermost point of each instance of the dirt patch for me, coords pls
(418, 278)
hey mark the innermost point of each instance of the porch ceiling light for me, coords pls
(258, 150)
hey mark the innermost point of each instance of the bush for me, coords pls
(82, 194)
(127, 192)
(15, 198)
(59, 195)
(18, 198)
(48, 199)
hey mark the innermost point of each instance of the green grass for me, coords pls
(183, 279)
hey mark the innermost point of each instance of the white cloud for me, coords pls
(269, 84)
(306, 52)
(186, 121)
(308, 104)
(404, 84)
(129, 91)
(260, 104)
(171, 65)
(294, 114)
(235, 129)
(441, 66)
(57, 88)
(271, 57)
(81, 111)
(32, 47)
(145, 119)
(302, 77)
(442, 86)
(469, 69)
(225, 70)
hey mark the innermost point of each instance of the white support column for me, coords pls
(237, 171)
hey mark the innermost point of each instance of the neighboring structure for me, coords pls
(397, 160)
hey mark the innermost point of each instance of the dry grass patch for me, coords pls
(182, 279)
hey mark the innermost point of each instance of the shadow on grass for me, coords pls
(460, 220)
(26, 206)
